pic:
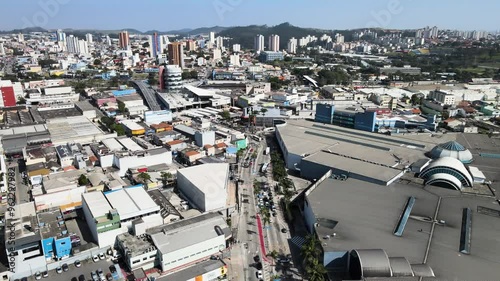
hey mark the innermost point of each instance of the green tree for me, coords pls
(97, 62)
(119, 129)
(263, 111)
(21, 100)
(83, 180)
(121, 107)
(311, 251)
(46, 63)
(416, 99)
(225, 115)
(273, 254)
(165, 178)
(152, 79)
(144, 177)
(315, 270)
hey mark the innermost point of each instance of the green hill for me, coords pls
(245, 35)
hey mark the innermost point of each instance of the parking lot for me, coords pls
(74, 272)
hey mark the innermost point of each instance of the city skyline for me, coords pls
(332, 15)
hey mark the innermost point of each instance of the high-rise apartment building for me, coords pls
(292, 46)
(259, 43)
(72, 44)
(154, 45)
(211, 37)
(274, 43)
(190, 45)
(219, 42)
(60, 36)
(90, 38)
(176, 54)
(124, 39)
(83, 47)
(236, 48)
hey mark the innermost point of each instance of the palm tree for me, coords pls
(315, 270)
(310, 249)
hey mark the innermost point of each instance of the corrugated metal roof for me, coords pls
(400, 267)
(374, 263)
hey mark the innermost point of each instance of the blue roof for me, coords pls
(453, 146)
(232, 150)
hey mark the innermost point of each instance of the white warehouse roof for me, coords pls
(131, 201)
(208, 178)
(97, 203)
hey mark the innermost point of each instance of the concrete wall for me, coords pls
(310, 170)
(190, 254)
(187, 188)
(203, 138)
(106, 160)
(309, 217)
(26, 267)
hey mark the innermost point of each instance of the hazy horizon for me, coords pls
(174, 15)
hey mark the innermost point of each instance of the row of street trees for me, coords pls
(311, 253)
(285, 185)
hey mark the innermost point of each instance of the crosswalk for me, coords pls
(298, 241)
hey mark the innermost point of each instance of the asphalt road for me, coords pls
(242, 265)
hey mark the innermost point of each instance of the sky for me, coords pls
(165, 15)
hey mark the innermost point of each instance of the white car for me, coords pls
(259, 274)
(95, 258)
(102, 256)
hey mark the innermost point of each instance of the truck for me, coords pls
(267, 150)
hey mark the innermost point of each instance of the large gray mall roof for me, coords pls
(307, 137)
(364, 216)
(366, 169)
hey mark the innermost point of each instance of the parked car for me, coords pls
(259, 274)
(78, 263)
(112, 268)
(283, 260)
(65, 267)
(45, 274)
(94, 276)
(102, 256)
(38, 275)
(101, 275)
(95, 258)
(59, 269)
(109, 277)
(258, 265)
(82, 278)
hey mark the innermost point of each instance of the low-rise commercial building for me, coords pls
(23, 241)
(191, 240)
(205, 186)
(56, 242)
